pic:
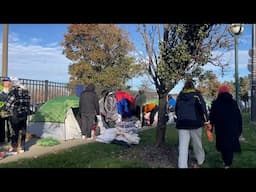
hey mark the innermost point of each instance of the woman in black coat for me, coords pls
(226, 118)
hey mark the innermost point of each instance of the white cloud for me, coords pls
(37, 62)
(229, 58)
(54, 44)
(13, 37)
(35, 40)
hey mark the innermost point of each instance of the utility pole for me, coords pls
(253, 75)
(5, 51)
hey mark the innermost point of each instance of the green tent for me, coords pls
(57, 119)
(55, 110)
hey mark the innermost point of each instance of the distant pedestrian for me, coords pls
(171, 102)
(151, 109)
(140, 100)
(226, 119)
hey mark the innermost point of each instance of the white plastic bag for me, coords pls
(100, 124)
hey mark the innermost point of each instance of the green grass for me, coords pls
(246, 159)
(152, 101)
(48, 142)
(93, 155)
(99, 155)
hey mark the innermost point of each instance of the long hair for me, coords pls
(189, 84)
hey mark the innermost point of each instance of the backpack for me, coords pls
(186, 107)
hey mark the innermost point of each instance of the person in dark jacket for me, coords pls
(226, 119)
(5, 131)
(191, 114)
(140, 100)
(88, 108)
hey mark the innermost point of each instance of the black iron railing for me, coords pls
(41, 91)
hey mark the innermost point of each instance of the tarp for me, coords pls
(124, 95)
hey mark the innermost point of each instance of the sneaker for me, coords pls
(242, 139)
(12, 149)
(21, 151)
(83, 137)
(226, 167)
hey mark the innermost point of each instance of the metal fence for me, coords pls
(41, 91)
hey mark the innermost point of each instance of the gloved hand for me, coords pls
(208, 128)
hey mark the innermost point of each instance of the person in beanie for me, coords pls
(88, 108)
(4, 119)
(18, 107)
(191, 113)
(225, 118)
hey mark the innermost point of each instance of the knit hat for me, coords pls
(224, 89)
(6, 79)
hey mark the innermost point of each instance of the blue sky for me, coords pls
(244, 45)
(35, 52)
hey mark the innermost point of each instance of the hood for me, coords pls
(90, 87)
(224, 96)
(187, 94)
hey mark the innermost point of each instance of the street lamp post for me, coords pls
(236, 30)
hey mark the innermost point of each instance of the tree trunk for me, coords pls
(161, 125)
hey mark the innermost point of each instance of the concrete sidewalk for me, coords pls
(34, 150)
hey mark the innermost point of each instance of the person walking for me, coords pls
(191, 114)
(225, 117)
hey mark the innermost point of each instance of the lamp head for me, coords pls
(236, 29)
